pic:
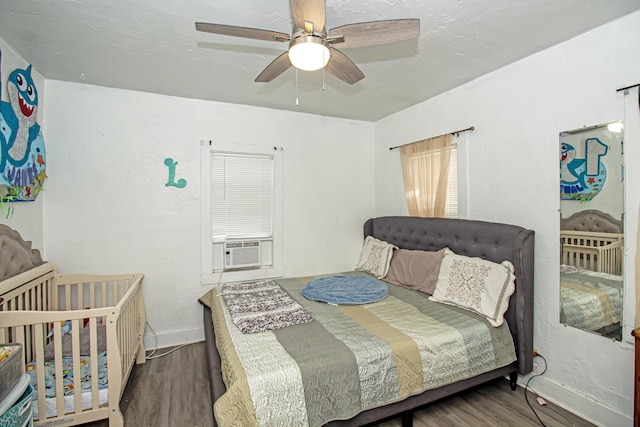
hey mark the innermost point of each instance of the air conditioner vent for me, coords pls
(242, 254)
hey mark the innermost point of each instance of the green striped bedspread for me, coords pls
(350, 358)
(590, 300)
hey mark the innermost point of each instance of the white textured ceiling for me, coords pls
(152, 46)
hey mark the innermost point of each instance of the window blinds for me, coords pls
(451, 206)
(241, 196)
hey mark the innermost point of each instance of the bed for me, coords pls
(591, 301)
(79, 333)
(323, 403)
(591, 282)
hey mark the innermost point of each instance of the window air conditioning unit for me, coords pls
(242, 254)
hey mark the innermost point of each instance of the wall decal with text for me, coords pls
(171, 164)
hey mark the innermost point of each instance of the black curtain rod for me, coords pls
(452, 133)
(628, 87)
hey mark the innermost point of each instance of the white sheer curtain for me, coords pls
(425, 171)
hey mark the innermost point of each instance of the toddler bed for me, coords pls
(81, 334)
(351, 365)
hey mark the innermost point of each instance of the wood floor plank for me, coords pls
(173, 391)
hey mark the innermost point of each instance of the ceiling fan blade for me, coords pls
(343, 68)
(273, 70)
(248, 33)
(310, 11)
(376, 32)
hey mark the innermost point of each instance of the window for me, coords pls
(241, 215)
(241, 196)
(451, 205)
(430, 174)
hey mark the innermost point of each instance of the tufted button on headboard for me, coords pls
(16, 255)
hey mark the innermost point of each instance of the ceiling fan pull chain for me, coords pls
(324, 85)
(297, 87)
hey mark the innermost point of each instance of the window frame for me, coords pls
(208, 274)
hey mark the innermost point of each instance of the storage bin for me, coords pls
(20, 413)
(10, 368)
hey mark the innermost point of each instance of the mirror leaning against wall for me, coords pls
(591, 229)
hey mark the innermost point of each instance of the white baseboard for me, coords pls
(172, 337)
(595, 412)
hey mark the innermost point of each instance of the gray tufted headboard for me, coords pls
(492, 241)
(591, 220)
(16, 255)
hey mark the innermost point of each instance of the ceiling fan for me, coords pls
(311, 45)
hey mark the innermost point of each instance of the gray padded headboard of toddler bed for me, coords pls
(492, 241)
(16, 255)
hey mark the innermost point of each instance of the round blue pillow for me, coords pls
(345, 290)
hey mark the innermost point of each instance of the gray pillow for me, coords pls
(415, 269)
(85, 342)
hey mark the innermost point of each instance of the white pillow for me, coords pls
(475, 284)
(375, 257)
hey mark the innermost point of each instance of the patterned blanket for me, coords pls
(350, 358)
(590, 300)
(262, 306)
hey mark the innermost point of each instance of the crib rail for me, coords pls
(602, 252)
(37, 314)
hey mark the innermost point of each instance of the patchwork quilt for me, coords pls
(350, 358)
(590, 300)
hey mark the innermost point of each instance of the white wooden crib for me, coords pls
(601, 252)
(592, 240)
(39, 301)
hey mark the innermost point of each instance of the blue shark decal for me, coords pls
(582, 178)
(22, 152)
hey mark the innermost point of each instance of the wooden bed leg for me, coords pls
(407, 419)
(513, 379)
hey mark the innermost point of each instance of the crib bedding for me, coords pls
(68, 375)
(590, 300)
(349, 358)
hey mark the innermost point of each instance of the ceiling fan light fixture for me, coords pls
(615, 127)
(309, 53)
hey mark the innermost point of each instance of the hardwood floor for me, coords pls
(174, 391)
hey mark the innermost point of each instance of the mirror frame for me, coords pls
(591, 239)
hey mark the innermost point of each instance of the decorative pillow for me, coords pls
(415, 269)
(375, 257)
(475, 284)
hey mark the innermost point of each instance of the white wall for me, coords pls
(108, 209)
(27, 216)
(518, 112)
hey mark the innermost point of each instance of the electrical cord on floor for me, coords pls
(527, 386)
(155, 337)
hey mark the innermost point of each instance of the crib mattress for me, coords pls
(69, 403)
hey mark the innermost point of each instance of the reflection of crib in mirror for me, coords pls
(593, 251)
(592, 240)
